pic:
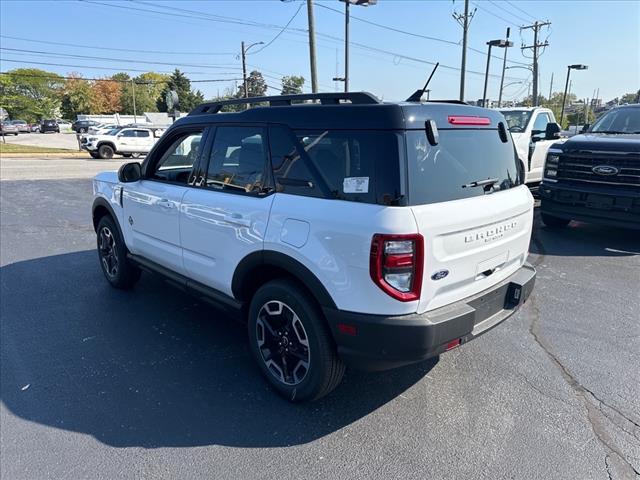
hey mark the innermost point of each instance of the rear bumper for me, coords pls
(384, 342)
(603, 205)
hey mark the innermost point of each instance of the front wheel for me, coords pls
(94, 154)
(554, 222)
(291, 342)
(105, 152)
(112, 253)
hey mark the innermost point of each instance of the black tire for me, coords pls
(82, 130)
(105, 152)
(112, 254)
(554, 222)
(126, 155)
(282, 316)
(94, 154)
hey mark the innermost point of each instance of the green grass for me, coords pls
(14, 148)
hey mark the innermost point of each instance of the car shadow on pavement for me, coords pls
(584, 240)
(152, 367)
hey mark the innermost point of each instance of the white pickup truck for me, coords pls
(126, 141)
(534, 130)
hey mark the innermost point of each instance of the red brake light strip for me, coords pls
(466, 120)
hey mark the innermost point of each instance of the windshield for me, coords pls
(517, 119)
(465, 163)
(619, 120)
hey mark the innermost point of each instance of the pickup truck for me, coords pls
(534, 130)
(127, 141)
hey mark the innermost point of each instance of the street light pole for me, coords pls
(566, 85)
(133, 90)
(493, 43)
(244, 68)
(312, 47)
(504, 66)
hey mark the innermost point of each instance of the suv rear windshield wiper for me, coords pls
(485, 184)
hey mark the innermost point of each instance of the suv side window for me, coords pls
(540, 125)
(238, 160)
(128, 133)
(142, 133)
(291, 173)
(177, 161)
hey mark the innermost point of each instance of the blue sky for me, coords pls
(602, 34)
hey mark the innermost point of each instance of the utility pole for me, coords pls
(312, 47)
(346, 45)
(504, 66)
(536, 28)
(244, 71)
(550, 88)
(464, 21)
(133, 89)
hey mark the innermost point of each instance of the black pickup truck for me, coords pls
(595, 176)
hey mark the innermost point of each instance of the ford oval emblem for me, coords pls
(439, 275)
(605, 170)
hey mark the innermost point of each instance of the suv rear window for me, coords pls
(443, 172)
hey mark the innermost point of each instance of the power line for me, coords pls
(145, 82)
(94, 47)
(509, 12)
(495, 15)
(126, 60)
(281, 31)
(412, 34)
(31, 62)
(521, 10)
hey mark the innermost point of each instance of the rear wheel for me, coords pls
(291, 342)
(112, 252)
(105, 152)
(82, 130)
(554, 222)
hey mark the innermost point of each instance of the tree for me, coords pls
(30, 94)
(179, 82)
(77, 97)
(629, 98)
(292, 85)
(106, 97)
(256, 86)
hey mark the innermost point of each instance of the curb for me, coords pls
(71, 154)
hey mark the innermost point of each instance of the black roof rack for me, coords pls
(360, 98)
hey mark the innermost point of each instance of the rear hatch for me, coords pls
(468, 203)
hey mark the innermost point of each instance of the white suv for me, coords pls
(127, 141)
(343, 232)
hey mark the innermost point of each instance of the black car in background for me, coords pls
(595, 176)
(82, 126)
(49, 126)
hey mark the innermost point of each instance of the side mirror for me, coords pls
(552, 131)
(130, 172)
(585, 128)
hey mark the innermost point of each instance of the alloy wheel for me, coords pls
(283, 342)
(108, 253)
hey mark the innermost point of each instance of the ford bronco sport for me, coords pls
(342, 230)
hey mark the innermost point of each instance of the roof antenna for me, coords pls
(418, 93)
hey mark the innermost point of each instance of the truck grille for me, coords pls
(579, 168)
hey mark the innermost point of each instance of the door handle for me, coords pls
(237, 219)
(164, 203)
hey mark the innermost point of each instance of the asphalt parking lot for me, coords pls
(99, 383)
(50, 140)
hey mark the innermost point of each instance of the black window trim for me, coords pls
(160, 148)
(206, 159)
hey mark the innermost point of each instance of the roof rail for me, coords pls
(360, 98)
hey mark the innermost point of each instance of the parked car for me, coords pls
(8, 128)
(64, 125)
(595, 176)
(365, 233)
(534, 130)
(49, 126)
(127, 142)
(82, 126)
(34, 127)
(22, 126)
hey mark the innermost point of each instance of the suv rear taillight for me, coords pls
(396, 263)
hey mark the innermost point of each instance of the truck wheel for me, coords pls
(94, 154)
(105, 152)
(554, 222)
(112, 252)
(291, 342)
(82, 130)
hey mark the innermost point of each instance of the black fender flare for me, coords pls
(266, 258)
(101, 202)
